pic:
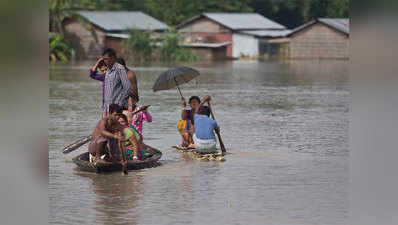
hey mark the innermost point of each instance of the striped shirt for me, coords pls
(117, 87)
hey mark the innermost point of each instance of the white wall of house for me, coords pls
(244, 44)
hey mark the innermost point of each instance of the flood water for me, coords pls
(284, 123)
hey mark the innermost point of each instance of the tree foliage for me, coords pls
(59, 49)
(290, 13)
(293, 13)
(139, 46)
(171, 50)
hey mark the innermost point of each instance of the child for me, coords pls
(204, 137)
(136, 120)
(186, 125)
(133, 139)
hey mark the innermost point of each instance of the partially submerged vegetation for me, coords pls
(59, 48)
(142, 46)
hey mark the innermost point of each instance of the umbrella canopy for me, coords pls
(174, 77)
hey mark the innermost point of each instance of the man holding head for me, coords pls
(118, 88)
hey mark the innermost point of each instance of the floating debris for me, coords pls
(207, 157)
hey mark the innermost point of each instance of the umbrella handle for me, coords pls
(179, 91)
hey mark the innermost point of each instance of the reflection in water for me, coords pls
(285, 124)
(116, 197)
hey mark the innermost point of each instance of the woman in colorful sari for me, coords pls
(134, 146)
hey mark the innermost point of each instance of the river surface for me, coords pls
(285, 125)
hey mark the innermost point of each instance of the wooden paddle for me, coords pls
(223, 151)
(123, 157)
(75, 145)
(83, 140)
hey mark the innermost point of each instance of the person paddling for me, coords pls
(98, 146)
(204, 138)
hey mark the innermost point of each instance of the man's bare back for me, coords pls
(133, 80)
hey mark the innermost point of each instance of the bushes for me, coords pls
(140, 47)
(171, 49)
(59, 49)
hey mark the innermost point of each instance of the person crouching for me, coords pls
(133, 143)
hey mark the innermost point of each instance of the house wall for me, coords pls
(203, 53)
(116, 44)
(244, 44)
(210, 53)
(204, 24)
(88, 47)
(319, 41)
(208, 29)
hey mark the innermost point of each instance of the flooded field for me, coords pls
(285, 125)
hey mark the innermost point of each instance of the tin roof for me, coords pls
(239, 21)
(123, 20)
(206, 45)
(267, 33)
(340, 24)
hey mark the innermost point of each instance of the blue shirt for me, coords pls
(204, 127)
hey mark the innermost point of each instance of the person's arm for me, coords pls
(216, 127)
(134, 142)
(94, 75)
(106, 133)
(147, 116)
(133, 81)
(205, 99)
(93, 71)
(130, 110)
(111, 135)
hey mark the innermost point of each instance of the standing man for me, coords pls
(118, 88)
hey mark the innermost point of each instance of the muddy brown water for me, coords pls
(284, 123)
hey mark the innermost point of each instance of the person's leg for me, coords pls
(185, 139)
(190, 140)
(100, 151)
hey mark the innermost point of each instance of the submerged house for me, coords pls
(230, 35)
(111, 28)
(323, 38)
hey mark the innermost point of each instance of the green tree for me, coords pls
(330, 8)
(174, 12)
(139, 46)
(171, 49)
(293, 13)
(59, 49)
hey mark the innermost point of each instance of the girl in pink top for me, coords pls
(137, 119)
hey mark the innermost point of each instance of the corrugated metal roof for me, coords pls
(206, 45)
(123, 20)
(239, 21)
(340, 24)
(267, 33)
